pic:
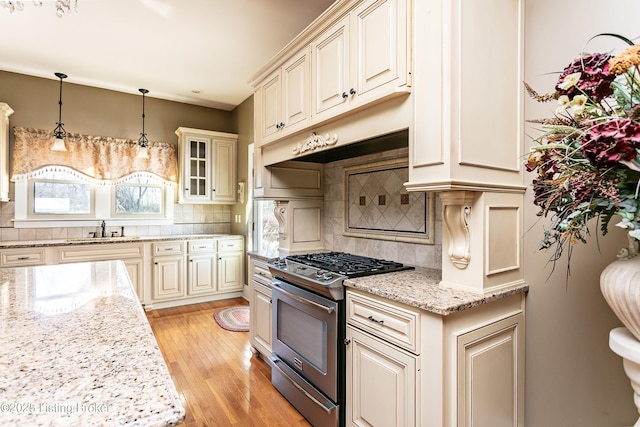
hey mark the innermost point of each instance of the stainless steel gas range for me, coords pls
(309, 329)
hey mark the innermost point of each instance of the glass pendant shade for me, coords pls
(58, 145)
(143, 152)
(59, 133)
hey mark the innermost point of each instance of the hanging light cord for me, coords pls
(143, 141)
(59, 131)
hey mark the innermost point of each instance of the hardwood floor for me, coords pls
(221, 383)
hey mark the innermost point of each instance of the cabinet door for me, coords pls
(491, 375)
(379, 48)
(261, 318)
(296, 92)
(196, 169)
(201, 274)
(224, 172)
(229, 271)
(381, 382)
(270, 107)
(135, 270)
(168, 277)
(330, 76)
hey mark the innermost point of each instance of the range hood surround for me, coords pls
(378, 128)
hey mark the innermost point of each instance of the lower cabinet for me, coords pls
(168, 277)
(135, 270)
(230, 271)
(201, 274)
(381, 386)
(260, 306)
(410, 367)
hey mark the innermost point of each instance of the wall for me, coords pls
(242, 118)
(572, 377)
(94, 111)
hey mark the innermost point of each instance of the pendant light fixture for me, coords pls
(143, 142)
(59, 133)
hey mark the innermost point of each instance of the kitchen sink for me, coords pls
(102, 239)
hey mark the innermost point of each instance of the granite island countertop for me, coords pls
(420, 288)
(76, 349)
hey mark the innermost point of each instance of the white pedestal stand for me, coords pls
(625, 345)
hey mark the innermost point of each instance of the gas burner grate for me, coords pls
(348, 264)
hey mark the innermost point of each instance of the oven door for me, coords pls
(305, 335)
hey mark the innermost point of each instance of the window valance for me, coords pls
(99, 157)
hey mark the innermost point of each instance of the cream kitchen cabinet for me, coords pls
(201, 267)
(230, 264)
(132, 254)
(23, 257)
(168, 275)
(208, 166)
(361, 58)
(5, 112)
(359, 55)
(381, 386)
(282, 101)
(260, 306)
(407, 366)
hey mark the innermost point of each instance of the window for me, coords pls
(140, 196)
(63, 197)
(266, 226)
(60, 193)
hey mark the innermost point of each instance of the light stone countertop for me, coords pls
(76, 349)
(420, 288)
(263, 255)
(106, 240)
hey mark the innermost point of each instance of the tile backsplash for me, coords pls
(416, 254)
(188, 219)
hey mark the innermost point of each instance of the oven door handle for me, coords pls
(306, 393)
(304, 300)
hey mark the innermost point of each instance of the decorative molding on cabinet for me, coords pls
(456, 206)
(315, 142)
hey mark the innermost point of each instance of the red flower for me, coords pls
(609, 142)
(595, 79)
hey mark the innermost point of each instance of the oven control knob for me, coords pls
(320, 273)
(327, 276)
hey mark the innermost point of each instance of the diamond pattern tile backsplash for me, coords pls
(377, 200)
(361, 205)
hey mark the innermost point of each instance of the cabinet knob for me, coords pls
(344, 95)
(155, 263)
(277, 125)
(352, 91)
(347, 341)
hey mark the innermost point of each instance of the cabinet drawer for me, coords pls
(167, 248)
(229, 245)
(261, 273)
(201, 246)
(393, 323)
(17, 258)
(100, 252)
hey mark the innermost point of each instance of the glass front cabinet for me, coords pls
(208, 166)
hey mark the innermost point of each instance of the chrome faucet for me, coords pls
(102, 226)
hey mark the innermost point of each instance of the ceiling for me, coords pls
(201, 52)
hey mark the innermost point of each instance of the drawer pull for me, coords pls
(373, 319)
(167, 249)
(22, 258)
(202, 247)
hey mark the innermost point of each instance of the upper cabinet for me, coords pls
(208, 166)
(353, 55)
(282, 101)
(359, 59)
(5, 112)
